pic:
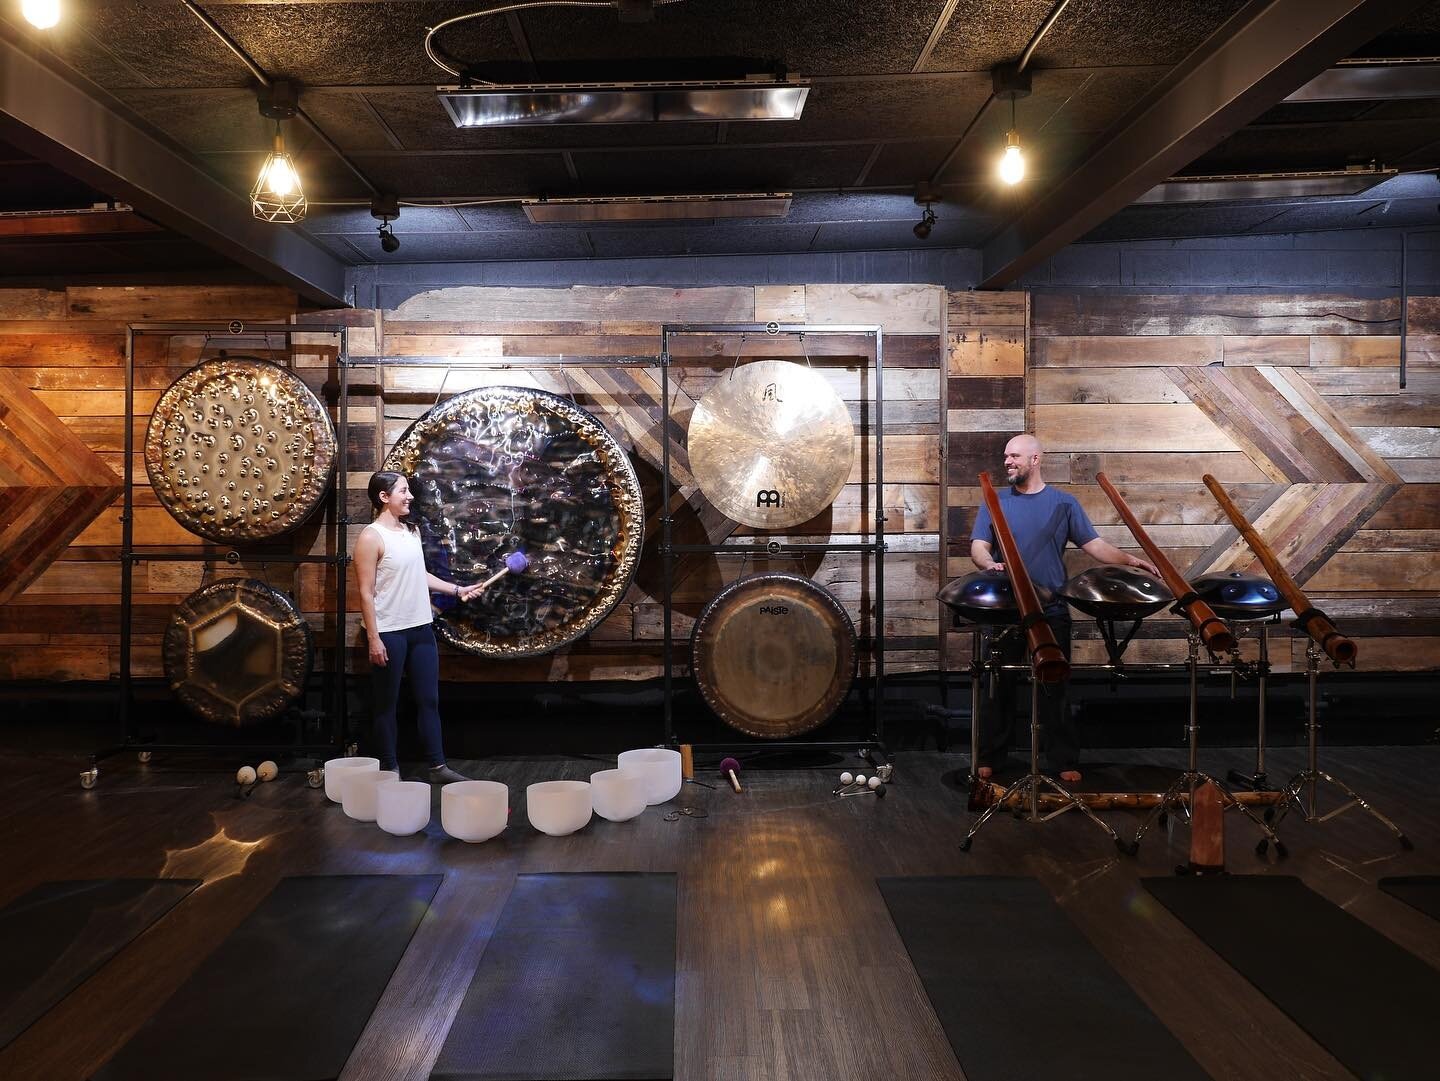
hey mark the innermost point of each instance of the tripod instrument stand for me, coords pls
(1301, 791)
(1193, 777)
(1028, 788)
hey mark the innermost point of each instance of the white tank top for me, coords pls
(402, 594)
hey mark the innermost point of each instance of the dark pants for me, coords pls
(413, 648)
(1060, 738)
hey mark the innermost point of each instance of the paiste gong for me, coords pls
(505, 469)
(773, 655)
(771, 444)
(237, 652)
(239, 449)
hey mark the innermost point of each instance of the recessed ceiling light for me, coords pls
(525, 105)
(1233, 187)
(657, 208)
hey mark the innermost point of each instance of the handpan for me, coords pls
(986, 597)
(239, 449)
(773, 654)
(1115, 592)
(1239, 597)
(237, 652)
(501, 470)
(771, 444)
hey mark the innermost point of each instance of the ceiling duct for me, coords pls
(1242, 186)
(538, 104)
(657, 208)
(1406, 78)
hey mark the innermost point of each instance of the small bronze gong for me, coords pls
(237, 652)
(239, 449)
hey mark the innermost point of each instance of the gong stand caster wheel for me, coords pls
(144, 757)
(965, 845)
(89, 777)
(315, 777)
(1407, 844)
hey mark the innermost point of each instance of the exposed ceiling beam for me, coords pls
(65, 122)
(1373, 81)
(74, 225)
(1264, 52)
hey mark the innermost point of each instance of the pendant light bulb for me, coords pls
(1012, 163)
(280, 177)
(277, 196)
(42, 14)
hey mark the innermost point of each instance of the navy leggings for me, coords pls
(412, 648)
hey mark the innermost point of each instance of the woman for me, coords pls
(395, 593)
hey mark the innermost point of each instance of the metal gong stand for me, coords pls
(333, 692)
(873, 697)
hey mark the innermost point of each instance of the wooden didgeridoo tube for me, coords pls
(1213, 633)
(1308, 618)
(1046, 655)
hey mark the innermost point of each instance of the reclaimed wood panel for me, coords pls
(1110, 351)
(478, 304)
(1129, 427)
(1105, 386)
(976, 351)
(1062, 314)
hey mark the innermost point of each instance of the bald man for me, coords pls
(1044, 520)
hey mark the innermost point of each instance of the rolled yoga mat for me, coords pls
(287, 994)
(1420, 892)
(1366, 1000)
(56, 936)
(576, 982)
(1021, 994)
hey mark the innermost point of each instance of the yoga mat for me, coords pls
(287, 994)
(577, 983)
(1418, 891)
(1368, 1002)
(1021, 993)
(55, 937)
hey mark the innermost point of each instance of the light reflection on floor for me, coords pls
(217, 857)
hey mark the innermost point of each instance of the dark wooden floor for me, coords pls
(789, 966)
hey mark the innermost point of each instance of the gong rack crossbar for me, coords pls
(873, 696)
(334, 689)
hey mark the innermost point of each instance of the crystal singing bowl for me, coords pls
(659, 769)
(474, 810)
(335, 770)
(558, 807)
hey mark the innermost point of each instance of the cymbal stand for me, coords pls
(1308, 780)
(1028, 787)
(1180, 794)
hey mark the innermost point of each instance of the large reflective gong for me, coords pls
(771, 444)
(773, 655)
(239, 449)
(237, 652)
(505, 469)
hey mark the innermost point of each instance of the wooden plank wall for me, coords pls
(428, 348)
(1293, 402)
(62, 355)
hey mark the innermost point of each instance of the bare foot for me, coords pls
(1070, 776)
(984, 773)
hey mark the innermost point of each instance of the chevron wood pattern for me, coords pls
(51, 486)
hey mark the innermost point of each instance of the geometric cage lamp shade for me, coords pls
(277, 195)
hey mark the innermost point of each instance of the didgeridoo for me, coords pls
(1046, 655)
(1213, 632)
(1308, 618)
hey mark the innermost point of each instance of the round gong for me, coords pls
(239, 449)
(771, 444)
(237, 652)
(774, 655)
(505, 469)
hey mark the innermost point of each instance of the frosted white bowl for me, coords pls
(402, 807)
(558, 807)
(659, 769)
(474, 810)
(336, 768)
(618, 794)
(357, 791)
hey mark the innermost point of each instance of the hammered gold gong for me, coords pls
(771, 444)
(237, 652)
(773, 655)
(513, 469)
(239, 449)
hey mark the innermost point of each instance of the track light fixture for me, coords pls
(41, 14)
(1011, 83)
(926, 196)
(386, 208)
(277, 195)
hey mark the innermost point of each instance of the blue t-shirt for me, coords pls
(1042, 524)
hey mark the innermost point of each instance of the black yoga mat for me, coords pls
(577, 982)
(1368, 1002)
(1020, 992)
(56, 936)
(287, 994)
(1418, 891)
